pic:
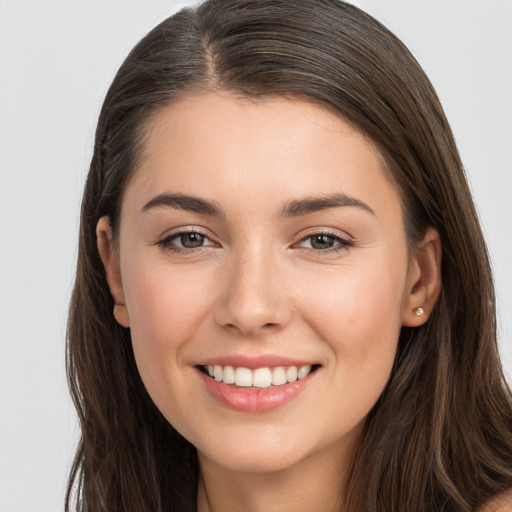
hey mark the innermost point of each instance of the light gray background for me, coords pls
(57, 59)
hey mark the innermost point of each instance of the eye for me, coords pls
(189, 240)
(324, 242)
(185, 241)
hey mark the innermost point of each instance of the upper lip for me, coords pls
(253, 362)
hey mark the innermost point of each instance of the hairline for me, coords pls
(144, 128)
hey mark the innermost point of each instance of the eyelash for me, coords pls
(342, 243)
(166, 243)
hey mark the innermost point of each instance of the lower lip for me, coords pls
(254, 400)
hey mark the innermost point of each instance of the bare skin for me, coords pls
(502, 503)
(318, 483)
(258, 230)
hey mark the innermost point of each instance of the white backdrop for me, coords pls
(57, 59)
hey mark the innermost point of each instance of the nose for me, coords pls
(254, 298)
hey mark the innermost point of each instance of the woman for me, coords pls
(283, 297)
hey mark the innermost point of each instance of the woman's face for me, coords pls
(259, 237)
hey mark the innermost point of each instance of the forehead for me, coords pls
(227, 148)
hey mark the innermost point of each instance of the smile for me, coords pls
(258, 378)
(259, 388)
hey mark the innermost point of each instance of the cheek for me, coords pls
(354, 304)
(165, 310)
(358, 316)
(360, 322)
(162, 302)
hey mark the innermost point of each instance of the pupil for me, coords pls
(191, 240)
(322, 242)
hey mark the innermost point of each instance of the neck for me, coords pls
(315, 483)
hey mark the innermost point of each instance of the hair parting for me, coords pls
(440, 436)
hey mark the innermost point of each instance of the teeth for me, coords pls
(258, 378)
(228, 376)
(279, 376)
(303, 371)
(217, 372)
(243, 377)
(291, 374)
(262, 378)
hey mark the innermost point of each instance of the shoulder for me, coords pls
(502, 503)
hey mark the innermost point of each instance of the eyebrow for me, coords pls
(294, 208)
(314, 204)
(184, 202)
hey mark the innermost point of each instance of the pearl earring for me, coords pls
(419, 311)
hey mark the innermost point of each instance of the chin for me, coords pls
(252, 461)
(259, 450)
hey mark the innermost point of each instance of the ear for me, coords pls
(110, 262)
(423, 280)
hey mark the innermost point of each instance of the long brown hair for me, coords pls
(440, 436)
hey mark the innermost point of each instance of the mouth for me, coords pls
(257, 378)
